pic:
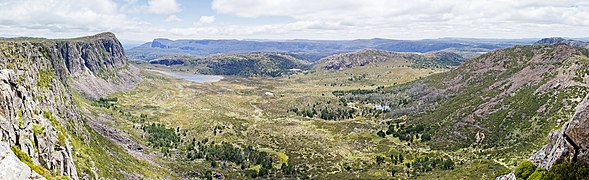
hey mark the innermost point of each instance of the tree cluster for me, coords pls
(162, 137)
(105, 102)
(427, 164)
(325, 113)
(244, 158)
(353, 92)
(408, 133)
(358, 77)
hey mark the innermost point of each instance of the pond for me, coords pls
(191, 77)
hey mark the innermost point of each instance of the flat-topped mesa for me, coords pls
(91, 53)
(97, 64)
(37, 78)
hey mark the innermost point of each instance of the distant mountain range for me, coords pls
(313, 50)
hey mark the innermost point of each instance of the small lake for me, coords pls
(199, 78)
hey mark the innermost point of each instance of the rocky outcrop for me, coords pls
(37, 78)
(12, 167)
(570, 143)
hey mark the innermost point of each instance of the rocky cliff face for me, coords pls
(570, 143)
(97, 65)
(37, 79)
(13, 168)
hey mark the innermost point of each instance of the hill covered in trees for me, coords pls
(245, 65)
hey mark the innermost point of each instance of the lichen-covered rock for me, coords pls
(12, 167)
(36, 81)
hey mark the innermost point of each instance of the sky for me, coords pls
(144, 20)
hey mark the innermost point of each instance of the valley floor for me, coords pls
(255, 112)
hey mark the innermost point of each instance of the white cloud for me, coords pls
(206, 19)
(66, 18)
(312, 19)
(400, 11)
(63, 14)
(173, 18)
(420, 18)
(163, 6)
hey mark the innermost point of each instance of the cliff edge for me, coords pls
(38, 78)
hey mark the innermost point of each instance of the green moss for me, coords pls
(524, 170)
(44, 78)
(20, 120)
(61, 133)
(24, 157)
(61, 139)
(38, 129)
(34, 143)
(567, 170)
(538, 174)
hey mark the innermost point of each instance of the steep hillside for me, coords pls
(565, 154)
(367, 56)
(246, 65)
(569, 143)
(508, 99)
(503, 102)
(40, 116)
